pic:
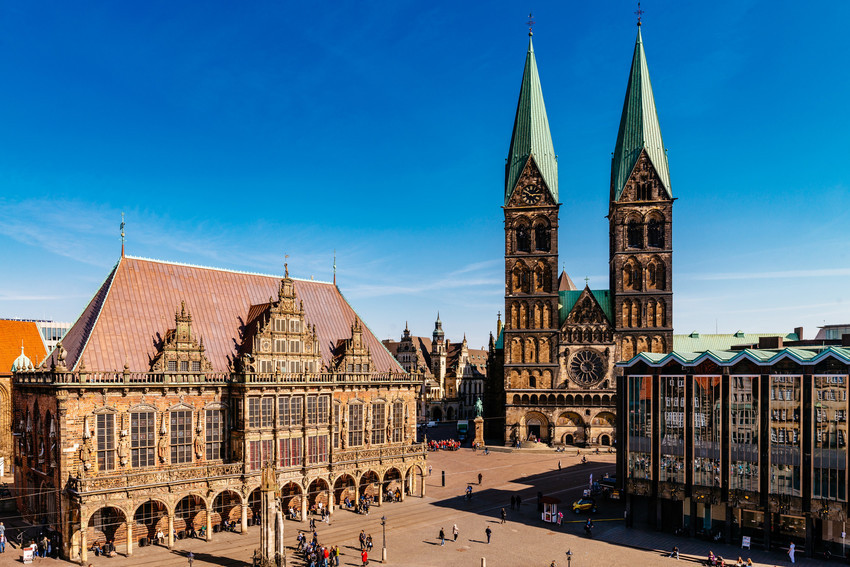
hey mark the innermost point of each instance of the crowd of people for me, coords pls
(444, 445)
(315, 554)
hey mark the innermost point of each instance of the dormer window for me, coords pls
(172, 366)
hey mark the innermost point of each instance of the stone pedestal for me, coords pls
(479, 431)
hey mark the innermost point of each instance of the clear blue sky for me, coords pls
(234, 133)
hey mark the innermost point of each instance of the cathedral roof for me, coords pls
(136, 304)
(13, 335)
(568, 299)
(531, 138)
(565, 283)
(639, 128)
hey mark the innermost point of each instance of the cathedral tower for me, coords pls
(640, 220)
(531, 251)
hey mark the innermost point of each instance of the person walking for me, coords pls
(488, 531)
(362, 540)
(369, 542)
(479, 479)
(454, 532)
(2, 538)
(429, 470)
(442, 537)
(336, 555)
(791, 552)
(518, 501)
(191, 557)
(559, 464)
(504, 515)
(364, 557)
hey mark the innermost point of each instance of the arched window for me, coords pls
(656, 274)
(655, 233)
(631, 275)
(532, 382)
(523, 239)
(541, 238)
(634, 234)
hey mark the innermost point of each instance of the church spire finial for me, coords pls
(122, 234)
(530, 23)
(334, 266)
(639, 13)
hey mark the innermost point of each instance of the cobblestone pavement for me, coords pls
(413, 525)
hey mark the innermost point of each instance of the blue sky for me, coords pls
(232, 134)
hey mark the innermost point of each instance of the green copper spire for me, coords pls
(639, 128)
(531, 137)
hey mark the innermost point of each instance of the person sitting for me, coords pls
(97, 549)
(160, 537)
(712, 560)
(202, 533)
(347, 502)
(739, 562)
(190, 531)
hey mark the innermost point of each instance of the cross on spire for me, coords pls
(122, 234)
(586, 280)
(639, 13)
(530, 23)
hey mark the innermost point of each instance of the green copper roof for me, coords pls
(639, 128)
(568, 299)
(531, 137)
(807, 356)
(500, 340)
(699, 342)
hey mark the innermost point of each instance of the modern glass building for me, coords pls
(738, 443)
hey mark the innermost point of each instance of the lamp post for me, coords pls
(384, 546)
(569, 557)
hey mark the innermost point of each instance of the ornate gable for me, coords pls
(531, 189)
(352, 355)
(277, 338)
(586, 322)
(644, 183)
(180, 351)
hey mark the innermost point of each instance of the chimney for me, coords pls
(770, 342)
(799, 332)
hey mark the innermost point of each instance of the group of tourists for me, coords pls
(444, 445)
(315, 554)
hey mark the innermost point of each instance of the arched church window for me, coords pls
(523, 239)
(655, 234)
(541, 238)
(634, 234)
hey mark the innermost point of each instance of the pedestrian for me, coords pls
(560, 518)
(454, 531)
(791, 552)
(191, 558)
(442, 537)
(674, 552)
(518, 501)
(362, 540)
(336, 555)
(479, 479)
(559, 467)
(488, 531)
(364, 556)
(429, 470)
(2, 538)
(369, 542)
(591, 480)
(504, 515)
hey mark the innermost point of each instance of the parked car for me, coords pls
(584, 505)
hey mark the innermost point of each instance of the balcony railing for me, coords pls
(126, 378)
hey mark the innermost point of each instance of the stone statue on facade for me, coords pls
(199, 446)
(86, 454)
(162, 448)
(479, 407)
(123, 450)
(343, 433)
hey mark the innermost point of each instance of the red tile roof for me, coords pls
(137, 302)
(11, 335)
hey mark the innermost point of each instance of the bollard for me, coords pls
(444, 478)
(483, 562)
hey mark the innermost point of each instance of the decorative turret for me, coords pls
(531, 140)
(22, 363)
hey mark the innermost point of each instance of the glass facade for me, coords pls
(707, 430)
(744, 433)
(785, 435)
(829, 430)
(640, 427)
(671, 426)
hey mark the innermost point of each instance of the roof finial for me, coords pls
(586, 279)
(530, 23)
(334, 266)
(285, 266)
(122, 234)
(639, 13)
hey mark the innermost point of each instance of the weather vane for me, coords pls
(122, 233)
(639, 13)
(530, 23)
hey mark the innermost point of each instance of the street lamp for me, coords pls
(384, 547)
(569, 557)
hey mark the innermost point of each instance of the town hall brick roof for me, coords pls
(135, 307)
(11, 334)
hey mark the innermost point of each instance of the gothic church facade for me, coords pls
(552, 365)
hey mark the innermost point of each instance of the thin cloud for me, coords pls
(820, 273)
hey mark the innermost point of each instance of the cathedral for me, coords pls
(552, 363)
